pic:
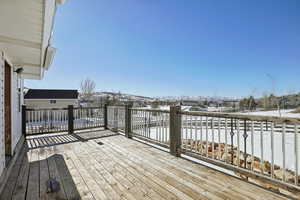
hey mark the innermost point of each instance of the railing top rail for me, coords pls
(151, 110)
(45, 109)
(117, 106)
(95, 107)
(53, 109)
(287, 120)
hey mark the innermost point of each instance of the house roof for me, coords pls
(26, 33)
(51, 94)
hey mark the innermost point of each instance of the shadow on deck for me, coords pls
(35, 142)
(105, 165)
(47, 178)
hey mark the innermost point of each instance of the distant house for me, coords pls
(189, 103)
(37, 98)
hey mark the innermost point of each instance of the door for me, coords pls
(7, 109)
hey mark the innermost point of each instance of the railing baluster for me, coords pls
(191, 132)
(231, 137)
(201, 135)
(272, 149)
(196, 134)
(213, 138)
(252, 145)
(245, 135)
(238, 143)
(156, 125)
(166, 126)
(186, 132)
(219, 138)
(226, 142)
(261, 148)
(163, 127)
(206, 136)
(296, 154)
(283, 151)
(147, 124)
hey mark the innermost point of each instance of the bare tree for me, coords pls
(251, 100)
(265, 99)
(277, 102)
(87, 88)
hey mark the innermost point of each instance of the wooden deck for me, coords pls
(89, 166)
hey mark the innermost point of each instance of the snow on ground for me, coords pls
(284, 113)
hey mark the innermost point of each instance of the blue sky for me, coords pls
(177, 47)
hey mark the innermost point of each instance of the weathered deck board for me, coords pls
(118, 168)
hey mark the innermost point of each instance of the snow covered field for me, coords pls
(275, 113)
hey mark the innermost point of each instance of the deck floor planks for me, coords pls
(143, 170)
(250, 191)
(125, 185)
(83, 189)
(105, 188)
(122, 175)
(118, 169)
(87, 176)
(12, 180)
(33, 179)
(141, 174)
(44, 174)
(172, 187)
(159, 181)
(22, 180)
(180, 174)
(110, 179)
(197, 195)
(190, 189)
(54, 174)
(255, 194)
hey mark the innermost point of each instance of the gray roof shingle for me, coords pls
(51, 94)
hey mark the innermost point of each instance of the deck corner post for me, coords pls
(175, 131)
(24, 120)
(105, 116)
(128, 133)
(70, 119)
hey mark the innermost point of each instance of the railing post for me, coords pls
(70, 119)
(24, 120)
(128, 133)
(115, 122)
(175, 131)
(105, 116)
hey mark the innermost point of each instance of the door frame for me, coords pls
(8, 108)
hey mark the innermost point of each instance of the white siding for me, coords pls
(16, 112)
(16, 115)
(2, 150)
(45, 103)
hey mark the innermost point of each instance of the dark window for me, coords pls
(53, 101)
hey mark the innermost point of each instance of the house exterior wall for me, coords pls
(45, 103)
(17, 88)
(16, 113)
(2, 147)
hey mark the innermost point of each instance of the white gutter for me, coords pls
(47, 55)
